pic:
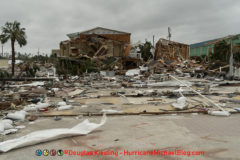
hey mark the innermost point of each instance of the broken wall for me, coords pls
(125, 38)
(64, 48)
(169, 50)
(91, 47)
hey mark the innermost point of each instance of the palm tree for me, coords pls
(13, 32)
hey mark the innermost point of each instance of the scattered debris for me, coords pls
(64, 107)
(219, 113)
(31, 117)
(18, 115)
(9, 131)
(34, 107)
(20, 127)
(133, 72)
(76, 92)
(62, 103)
(110, 111)
(5, 124)
(181, 103)
(57, 118)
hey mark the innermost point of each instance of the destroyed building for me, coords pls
(95, 42)
(170, 50)
(209, 50)
(101, 46)
(206, 48)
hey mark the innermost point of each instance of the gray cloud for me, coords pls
(48, 22)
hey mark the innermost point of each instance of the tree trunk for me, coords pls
(13, 57)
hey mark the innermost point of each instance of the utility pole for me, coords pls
(231, 62)
(2, 50)
(153, 42)
(169, 34)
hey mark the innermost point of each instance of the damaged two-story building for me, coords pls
(170, 50)
(101, 44)
(95, 42)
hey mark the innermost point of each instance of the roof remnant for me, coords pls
(96, 30)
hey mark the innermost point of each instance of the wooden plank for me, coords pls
(27, 79)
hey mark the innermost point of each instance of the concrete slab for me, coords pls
(217, 136)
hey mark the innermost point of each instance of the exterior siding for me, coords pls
(199, 51)
(206, 48)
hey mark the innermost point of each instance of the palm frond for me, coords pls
(4, 38)
(14, 32)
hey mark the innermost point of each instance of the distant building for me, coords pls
(4, 63)
(55, 52)
(206, 48)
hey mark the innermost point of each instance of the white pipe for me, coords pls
(209, 100)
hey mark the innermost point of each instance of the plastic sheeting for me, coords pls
(7, 123)
(18, 115)
(5, 126)
(34, 107)
(181, 103)
(29, 85)
(219, 113)
(76, 92)
(66, 107)
(62, 103)
(50, 134)
(133, 72)
(110, 111)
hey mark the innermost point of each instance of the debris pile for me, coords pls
(95, 53)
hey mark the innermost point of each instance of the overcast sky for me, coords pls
(48, 21)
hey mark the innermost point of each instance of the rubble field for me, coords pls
(55, 104)
(120, 100)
